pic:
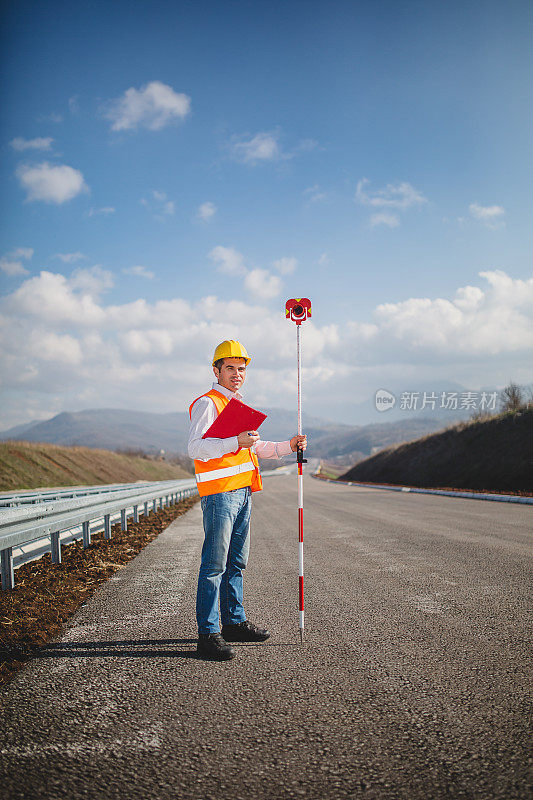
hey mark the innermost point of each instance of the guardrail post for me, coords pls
(86, 535)
(160, 502)
(107, 526)
(136, 513)
(146, 508)
(154, 505)
(8, 574)
(123, 520)
(55, 547)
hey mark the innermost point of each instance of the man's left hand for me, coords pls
(298, 441)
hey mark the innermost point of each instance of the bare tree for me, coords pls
(512, 397)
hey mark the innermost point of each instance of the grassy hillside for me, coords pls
(32, 465)
(495, 454)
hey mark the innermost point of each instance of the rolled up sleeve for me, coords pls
(272, 449)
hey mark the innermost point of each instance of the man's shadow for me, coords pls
(130, 648)
(124, 648)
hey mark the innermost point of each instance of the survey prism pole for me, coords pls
(298, 310)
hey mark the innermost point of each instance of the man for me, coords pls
(227, 472)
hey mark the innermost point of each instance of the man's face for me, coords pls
(232, 373)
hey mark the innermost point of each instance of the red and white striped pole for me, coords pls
(299, 310)
(299, 456)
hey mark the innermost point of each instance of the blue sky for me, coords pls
(375, 157)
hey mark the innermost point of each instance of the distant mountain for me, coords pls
(351, 445)
(112, 429)
(17, 431)
(109, 428)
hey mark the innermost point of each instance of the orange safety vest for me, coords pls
(233, 470)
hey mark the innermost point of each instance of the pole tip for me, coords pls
(301, 635)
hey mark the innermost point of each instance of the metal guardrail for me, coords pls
(34, 528)
(497, 498)
(44, 523)
(13, 499)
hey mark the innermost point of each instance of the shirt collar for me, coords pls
(227, 392)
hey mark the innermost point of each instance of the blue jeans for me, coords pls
(224, 557)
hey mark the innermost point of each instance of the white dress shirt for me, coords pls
(204, 413)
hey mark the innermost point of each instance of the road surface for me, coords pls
(413, 681)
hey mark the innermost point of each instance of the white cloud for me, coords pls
(265, 146)
(159, 204)
(165, 206)
(69, 258)
(389, 220)
(400, 195)
(228, 260)
(56, 331)
(315, 194)
(475, 322)
(92, 281)
(11, 263)
(22, 252)
(74, 105)
(206, 211)
(51, 183)
(261, 147)
(105, 210)
(152, 106)
(262, 284)
(41, 143)
(140, 271)
(307, 146)
(324, 260)
(490, 216)
(285, 266)
(56, 347)
(53, 300)
(53, 117)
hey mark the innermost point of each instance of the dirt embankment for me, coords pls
(32, 465)
(495, 454)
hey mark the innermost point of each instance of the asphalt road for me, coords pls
(413, 681)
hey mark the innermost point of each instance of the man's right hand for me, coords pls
(247, 438)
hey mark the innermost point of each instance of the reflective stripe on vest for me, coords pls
(225, 472)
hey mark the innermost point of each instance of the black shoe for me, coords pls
(213, 646)
(244, 632)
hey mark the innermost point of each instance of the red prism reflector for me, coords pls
(298, 309)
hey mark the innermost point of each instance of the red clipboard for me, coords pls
(234, 418)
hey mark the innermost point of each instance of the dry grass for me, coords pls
(493, 455)
(32, 465)
(330, 470)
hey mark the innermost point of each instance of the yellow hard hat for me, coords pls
(231, 348)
